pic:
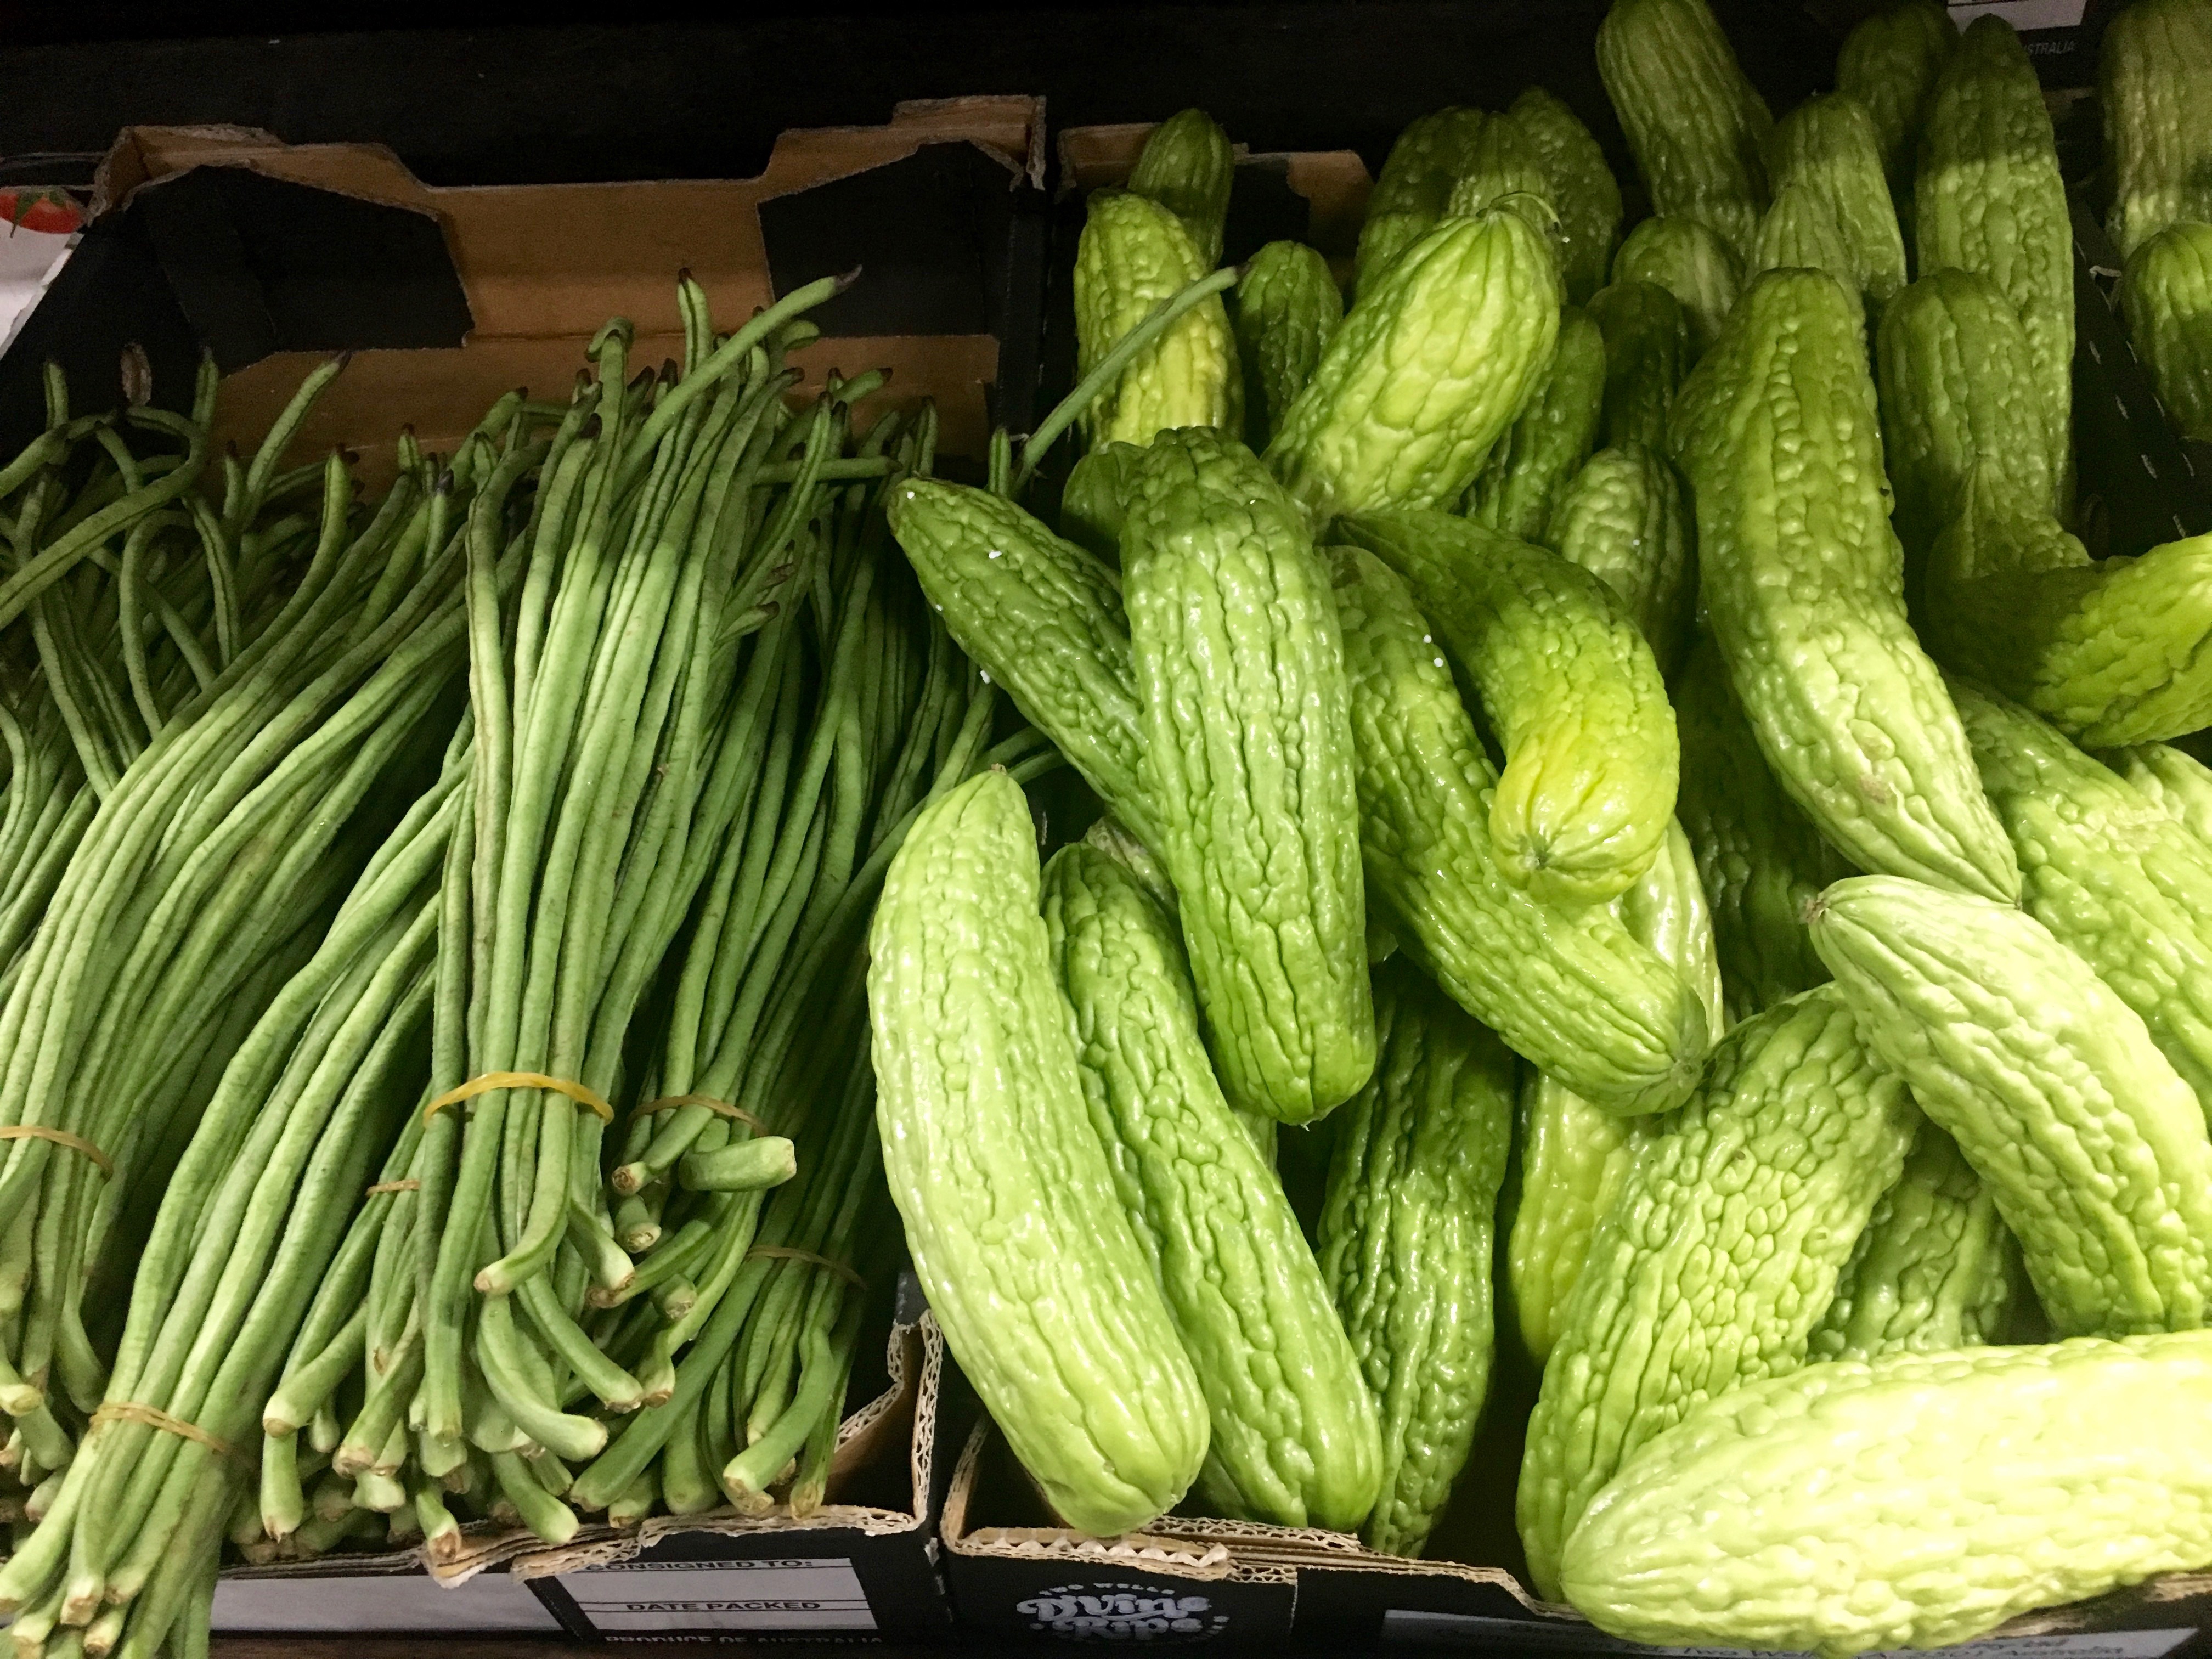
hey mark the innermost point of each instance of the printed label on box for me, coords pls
(367, 1602)
(2025, 15)
(1123, 1612)
(806, 1593)
(1457, 1630)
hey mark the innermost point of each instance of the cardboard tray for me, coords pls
(273, 256)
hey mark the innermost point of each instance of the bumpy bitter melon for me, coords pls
(1889, 62)
(1032, 1266)
(1570, 990)
(2090, 1143)
(2166, 295)
(1294, 1437)
(1570, 687)
(1287, 310)
(1647, 353)
(1803, 579)
(1719, 1255)
(1800, 233)
(2038, 1476)
(1518, 485)
(1584, 192)
(1133, 254)
(1405, 1240)
(1090, 502)
(1416, 181)
(1240, 675)
(2177, 783)
(1187, 166)
(1830, 145)
(2154, 86)
(1691, 263)
(1623, 519)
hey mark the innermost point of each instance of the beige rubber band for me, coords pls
(393, 1187)
(126, 1411)
(785, 1253)
(670, 1103)
(60, 1138)
(490, 1080)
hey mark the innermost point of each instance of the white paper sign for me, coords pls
(411, 1601)
(2026, 15)
(806, 1593)
(1455, 1629)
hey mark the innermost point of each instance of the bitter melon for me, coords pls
(1647, 353)
(1435, 358)
(1090, 502)
(1571, 992)
(1294, 1437)
(1957, 383)
(1719, 1255)
(1763, 863)
(1110, 836)
(1570, 687)
(1044, 619)
(1889, 62)
(1803, 578)
(1623, 519)
(1574, 1155)
(1033, 1268)
(2154, 85)
(2112, 651)
(1416, 181)
(1800, 233)
(1917, 1502)
(1133, 255)
(1405, 1239)
(1697, 127)
(1504, 170)
(1936, 1267)
(1691, 263)
(1516, 491)
(1584, 192)
(1187, 166)
(1830, 145)
(2167, 296)
(1989, 197)
(2110, 874)
(1240, 675)
(2092, 1145)
(1287, 310)
(2177, 783)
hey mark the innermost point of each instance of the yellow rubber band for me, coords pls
(393, 1187)
(60, 1138)
(785, 1253)
(490, 1080)
(127, 1411)
(670, 1103)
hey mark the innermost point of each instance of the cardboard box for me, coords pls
(864, 1564)
(273, 256)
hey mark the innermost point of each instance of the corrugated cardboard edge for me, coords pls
(914, 1360)
(483, 1544)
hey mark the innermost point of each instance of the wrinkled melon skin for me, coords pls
(1090, 502)
(2111, 876)
(1133, 254)
(1647, 353)
(1802, 580)
(2177, 784)
(1240, 676)
(1583, 191)
(1623, 519)
(1287, 311)
(1830, 145)
(1434, 360)
(1889, 62)
(1406, 1241)
(2154, 86)
(1044, 619)
(1187, 166)
(1294, 1437)
(2112, 651)
(1697, 127)
(1574, 1155)
(2094, 1147)
(1691, 263)
(1033, 1268)
(1989, 198)
(1417, 179)
(1936, 1267)
(1957, 387)
(1570, 686)
(1762, 861)
(1719, 1255)
(1800, 232)
(1516, 491)
(2167, 296)
(1568, 989)
(2023, 1477)
(1504, 169)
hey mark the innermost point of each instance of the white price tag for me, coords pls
(1454, 1630)
(806, 1593)
(2025, 15)
(369, 1602)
